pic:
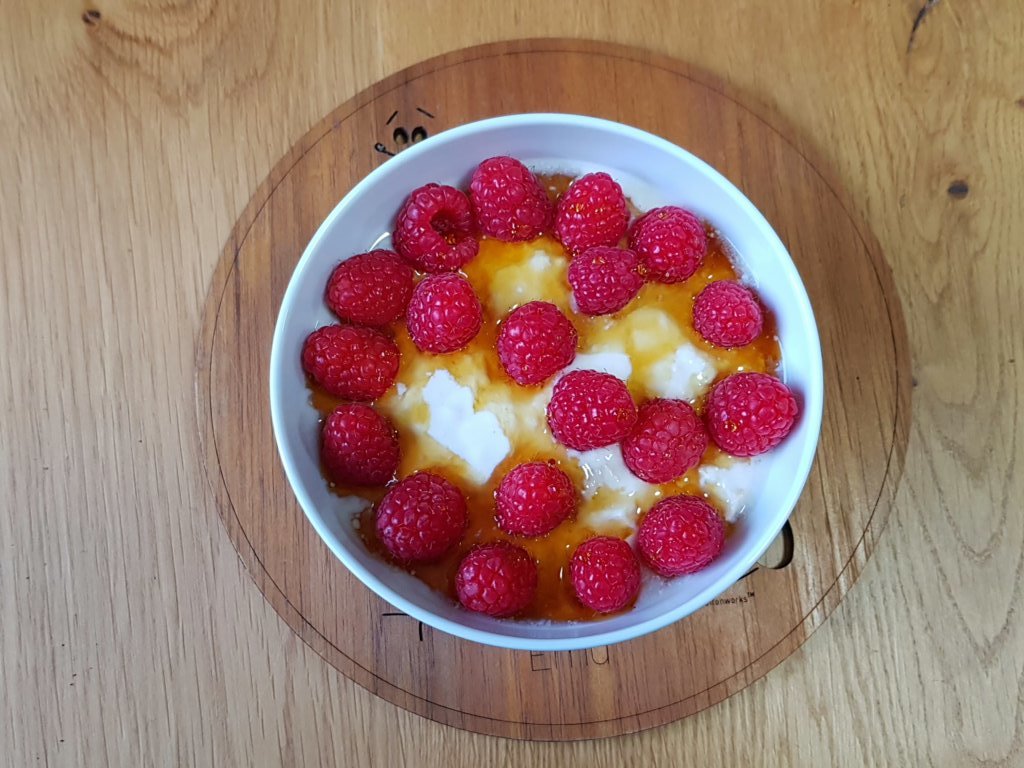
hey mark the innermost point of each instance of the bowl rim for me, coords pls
(813, 397)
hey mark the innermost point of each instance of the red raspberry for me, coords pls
(591, 212)
(670, 242)
(351, 362)
(605, 574)
(371, 288)
(434, 231)
(498, 579)
(680, 535)
(750, 413)
(359, 446)
(667, 441)
(444, 313)
(533, 499)
(536, 341)
(727, 314)
(590, 410)
(421, 518)
(604, 279)
(509, 202)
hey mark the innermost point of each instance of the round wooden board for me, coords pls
(669, 674)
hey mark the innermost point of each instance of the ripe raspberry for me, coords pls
(670, 242)
(727, 314)
(434, 231)
(750, 413)
(605, 574)
(536, 341)
(508, 200)
(590, 410)
(591, 212)
(667, 441)
(604, 279)
(359, 446)
(444, 313)
(533, 499)
(371, 288)
(680, 535)
(351, 362)
(498, 579)
(421, 518)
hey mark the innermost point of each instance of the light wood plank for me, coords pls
(129, 632)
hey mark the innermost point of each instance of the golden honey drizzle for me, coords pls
(504, 276)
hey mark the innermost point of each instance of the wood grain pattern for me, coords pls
(611, 690)
(130, 632)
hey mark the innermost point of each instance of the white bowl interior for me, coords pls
(652, 172)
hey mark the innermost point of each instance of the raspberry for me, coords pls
(444, 313)
(750, 413)
(421, 518)
(727, 314)
(434, 231)
(509, 202)
(590, 410)
(667, 441)
(536, 341)
(670, 242)
(604, 279)
(351, 362)
(371, 288)
(498, 579)
(605, 574)
(533, 499)
(591, 212)
(680, 535)
(359, 446)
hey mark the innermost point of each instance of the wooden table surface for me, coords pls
(134, 133)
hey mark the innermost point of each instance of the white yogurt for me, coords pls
(604, 468)
(526, 280)
(683, 375)
(613, 516)
(732, 485)
(349, 507)
(616, 363)
(474, 436)
(524, 416)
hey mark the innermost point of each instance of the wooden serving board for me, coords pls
(683, 668)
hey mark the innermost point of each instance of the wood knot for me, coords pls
(92, 17)
(958, 189)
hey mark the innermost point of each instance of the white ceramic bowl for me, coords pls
(653, 172)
